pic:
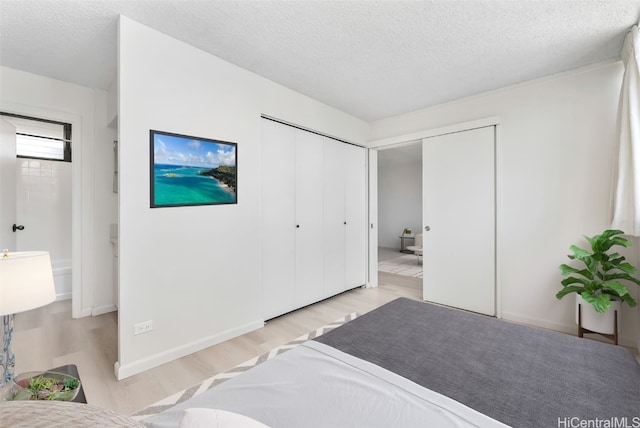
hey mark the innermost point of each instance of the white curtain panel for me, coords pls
(626, 209)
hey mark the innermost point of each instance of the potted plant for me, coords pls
(598, 282)
(41, 386)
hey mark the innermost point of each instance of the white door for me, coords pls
(355, 188)
(334, 220)
(278, 218)
(308, 183)
(459, 209)
(372, 225)
(7, 185)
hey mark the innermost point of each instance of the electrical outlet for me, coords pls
(142, 327)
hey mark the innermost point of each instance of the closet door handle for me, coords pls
(16, 227)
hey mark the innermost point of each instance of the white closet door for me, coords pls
(278, 218)
(459, 207)
(309, 217)
(355, 188)
(334, 217)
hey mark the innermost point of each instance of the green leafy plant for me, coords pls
(46, 386)
(70, 383)
(600, 279)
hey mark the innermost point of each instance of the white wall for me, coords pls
(194, 271)
(93, 207)
(399, 200)
(555, 153)
(105, 207)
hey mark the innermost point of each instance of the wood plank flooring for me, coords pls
(48, 337)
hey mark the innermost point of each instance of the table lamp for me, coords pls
(26, 282)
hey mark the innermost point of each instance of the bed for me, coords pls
(409, 364)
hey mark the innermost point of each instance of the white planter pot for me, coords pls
(598, 322)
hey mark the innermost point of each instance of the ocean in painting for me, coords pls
(181, 185)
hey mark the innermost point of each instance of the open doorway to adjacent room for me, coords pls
(400, 214)
(37, 156)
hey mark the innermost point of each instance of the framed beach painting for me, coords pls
(189, 170)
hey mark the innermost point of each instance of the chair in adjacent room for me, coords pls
(417, 247)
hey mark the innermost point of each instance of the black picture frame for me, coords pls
(191, 171)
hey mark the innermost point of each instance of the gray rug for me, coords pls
(519, 375)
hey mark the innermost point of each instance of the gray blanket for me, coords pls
(521, 376)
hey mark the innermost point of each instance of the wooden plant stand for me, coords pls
(582, 330)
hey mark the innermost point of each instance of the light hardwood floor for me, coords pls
(48, 337)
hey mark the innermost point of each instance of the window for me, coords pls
(41, 139)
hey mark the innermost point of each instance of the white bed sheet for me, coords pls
(315, 385)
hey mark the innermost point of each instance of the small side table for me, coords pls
(403, 243)
(72, 370)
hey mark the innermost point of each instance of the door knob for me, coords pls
(427, 228)
(15, 227)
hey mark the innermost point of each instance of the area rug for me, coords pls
(405, 265)
(209, 383)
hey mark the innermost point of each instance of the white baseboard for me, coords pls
(63, 296)
(537, 322)
(135, 367)
(559, 327)
(103, 309)
(84, 312)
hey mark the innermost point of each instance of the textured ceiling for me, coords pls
(372, 59)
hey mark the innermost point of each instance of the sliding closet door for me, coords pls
(278, 218)
(459, 208)
(308, 183)
(355, 187)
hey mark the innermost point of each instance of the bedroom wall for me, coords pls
(399, 200)
(555, 153)
(95, 205)
(194, 271)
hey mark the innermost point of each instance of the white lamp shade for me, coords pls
(26, 281)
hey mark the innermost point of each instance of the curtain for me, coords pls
(626, 208)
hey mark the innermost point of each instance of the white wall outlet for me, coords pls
(142, 327)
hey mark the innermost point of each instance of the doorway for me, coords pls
(40, 172)
(452, 168)
(399, 173)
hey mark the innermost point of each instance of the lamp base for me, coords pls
(7, 358)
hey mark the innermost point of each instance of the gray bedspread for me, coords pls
(521, 376)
